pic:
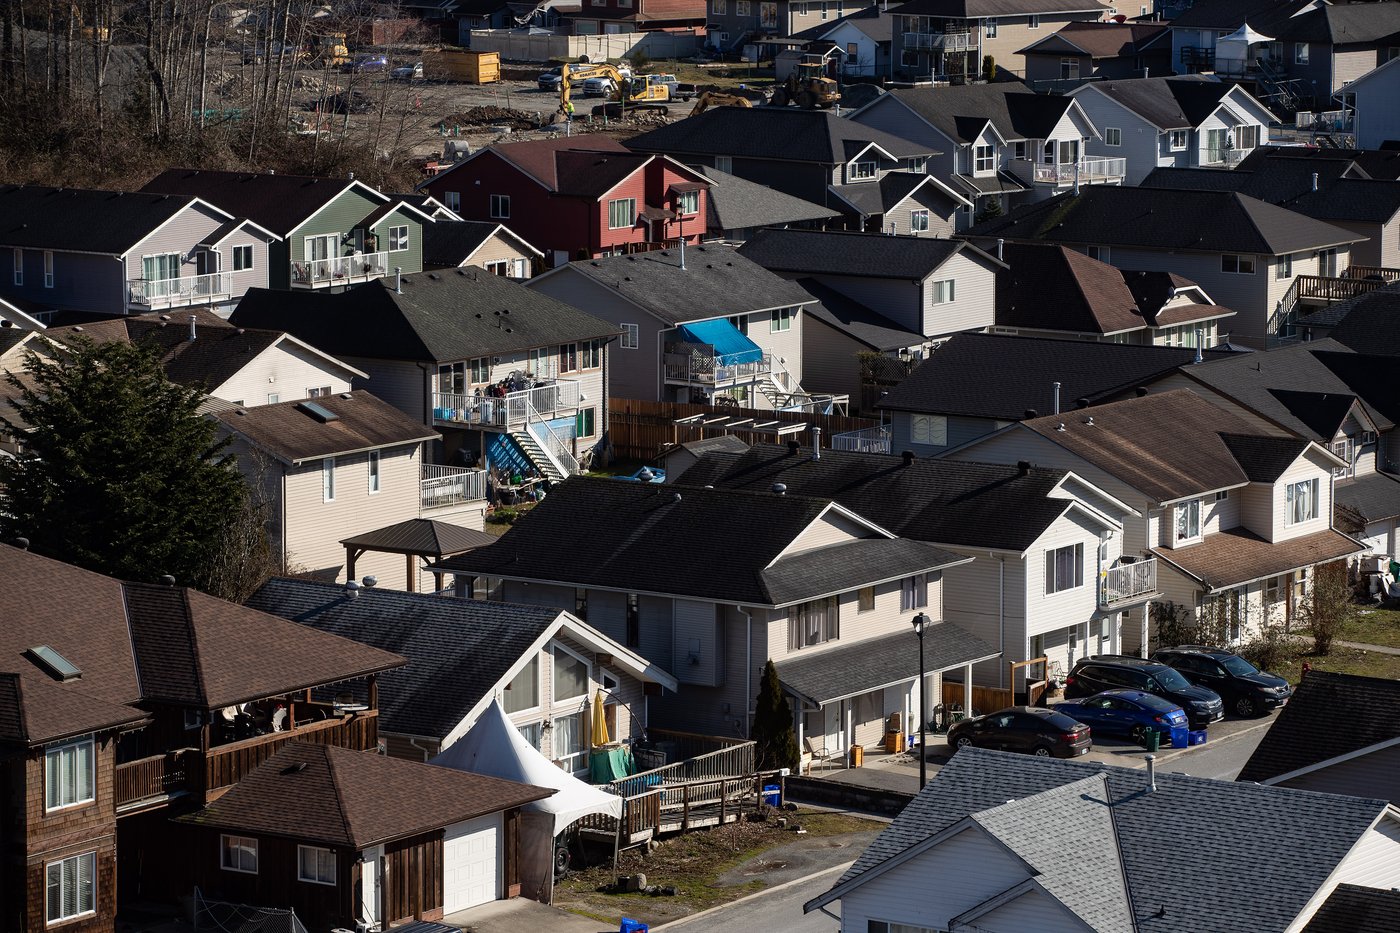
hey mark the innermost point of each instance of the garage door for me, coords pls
(471, 861)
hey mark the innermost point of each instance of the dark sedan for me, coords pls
(1041, 732)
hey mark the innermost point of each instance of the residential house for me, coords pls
(1083, 51)
(814, 155)
(950, 40)
(125, 703)
(1334, 190)
(1374, 96)
(865, 39)
(577, 197)
(824, 593)
(1244, 252)
(737, 208)
(488, 245)
(962, 391)
(1053, 291)
(1182, 122)
(596, 17)
(1354, 908)
(429, 205)
(1298, 53)
(341, 838)
(997, 143)
(972, 851)
(743, 25)
(115, 252)
(1237, 518)
(508, 377)
(702, 324)
(333, 232)
(1048, 579)
(1305, 749)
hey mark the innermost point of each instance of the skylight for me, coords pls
(54, 664)
(320, 412)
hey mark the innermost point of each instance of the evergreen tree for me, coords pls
(119, 472)
(775, 742)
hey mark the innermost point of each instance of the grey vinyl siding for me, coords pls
(256, 277)
(829, 360)
(897, 299)
(697, 643)
(181, 234)
(411, 259)
(82, 282)
(942, 214)
(401, 383)
(892, 116)
(961, 430)
(973, 307)
(1144, 147)
(1377, 116)
(1373, 775)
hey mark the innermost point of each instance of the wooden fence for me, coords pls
(984, 699)
(643, 430)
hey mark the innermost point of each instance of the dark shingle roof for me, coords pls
(457, 649)
(1306, 732)
(829, 252)
(349, 799)
(972, 9)
(421, 536)
(1351, 908)
(738, 204)
(449, 243)
(717, 281)
(1216, 890)
(81, 220)
(850, 669)
(961, 112)
(1371, 498)
(942, 501)
(281, 203)
(35, 710)
(1231, 558)
(1107, 40)
(855, 320)
(1370, 323)
(1166, 219)
(438, 317)
(1167, 103)
(886, 194)
(786, 133)
(294, 432)
(1264, 459)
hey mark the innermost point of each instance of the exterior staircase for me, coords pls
(538, 457)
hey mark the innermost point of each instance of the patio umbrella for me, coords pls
(600, 721)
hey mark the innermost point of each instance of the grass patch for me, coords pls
(1374, 627)
(1342, 661)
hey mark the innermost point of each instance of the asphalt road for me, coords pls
(771, 910)
(1220, 759)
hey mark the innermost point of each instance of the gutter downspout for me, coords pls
(414, 743)
(748, 670)
(1001, 616)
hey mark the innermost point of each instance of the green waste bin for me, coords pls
(1151, 740)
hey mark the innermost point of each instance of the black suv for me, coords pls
(1107, 671)
(1244, 688)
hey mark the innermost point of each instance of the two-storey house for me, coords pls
(996, 142)
(596, 17)
(578, 197)
(1084, 51)
(863, 172)
(824, 593)
(1244, 252)
(696, 324)
(125, 703)
(512, 379)
(1184, 122)
(486, 244)
(1375, 98)
(742, 25)
(864, 39)
(115, 252)
(950, 40)
(332, 232)
(1237, 518)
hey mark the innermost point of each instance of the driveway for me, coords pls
(521, 915)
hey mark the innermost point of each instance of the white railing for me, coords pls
(341, 270)
(441, 486)
(1127, 581)
(1087, 171)
(947, 41)
(697, 367)
(191, 289)
(874, 440)
(515, 408)
(1330, 121)
(553, 445)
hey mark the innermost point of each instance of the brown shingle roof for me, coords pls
(292, 431)
(338, 797)
(1108, 40)
(1230, 558)
(539, 158)
(35, 709)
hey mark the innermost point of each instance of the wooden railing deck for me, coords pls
(225, 765)
(151, 778)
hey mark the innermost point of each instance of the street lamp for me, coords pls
(921, 622)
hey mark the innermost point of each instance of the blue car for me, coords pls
(1125, 712)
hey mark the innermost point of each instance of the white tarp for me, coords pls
(1236, 44)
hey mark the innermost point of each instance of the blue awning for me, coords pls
(731, 347)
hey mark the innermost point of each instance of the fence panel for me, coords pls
(643, 430)
(518, 46)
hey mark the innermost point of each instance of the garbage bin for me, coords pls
(857, 756)
(1151, 739)
(773, 795)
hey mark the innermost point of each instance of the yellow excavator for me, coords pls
(632, 92)
(715, 99)
(807, 86)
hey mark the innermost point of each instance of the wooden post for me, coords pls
(412, 576)
(685, 808)
(374, 691)
(350, 555)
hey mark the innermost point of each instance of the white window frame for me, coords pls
(1053, 583)
(814, 622)
(1291, 502)
(627, 209)
(327, 479)
(48, 268)
(570, 760)
(864, 170)
(1177, 140)
(1327, 263)
(989, 27)
(1033, 22)
(688, 202)
(780, 320)
(228, 843)
(452, 200)
(1283, 267)
(631, 336)
(70, 872)
(1301, 53)
(1190, 510)
(942, 292)
(18, 259)
(398, 238)
(499, 207)
(919, 165)
(1113, 136)
(913, 592)
(242, 249)
(984, 159)
(918, 221)
(319, 853)
(555, 648)
(375, 475)
(64, 761)
(539, 687)
(931, 430)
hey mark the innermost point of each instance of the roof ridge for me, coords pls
(331, 773)
(194, 644)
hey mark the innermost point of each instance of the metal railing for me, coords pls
(1127, 582)
(190, 289)
(1086, 171)
(340, 270)
(696, 364)
(514, 408)
(441, 486)
(874, 440)
(946, 41)
(1193, 56)
(1329, 121)
(553, 445)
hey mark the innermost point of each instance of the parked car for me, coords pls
(1244, 688)
(1106, 671)
(685, 91)
(549, 81)
(1125, 712)
(412, 72)
(599, 87)
(368, 63)
(1044, 733)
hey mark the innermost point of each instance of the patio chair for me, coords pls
(820, 754)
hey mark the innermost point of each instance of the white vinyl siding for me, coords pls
(1064, 569)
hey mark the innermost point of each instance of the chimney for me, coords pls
(1023, 467)
(1201, 339)
(352, 589)
(194, 325)
(793, 447)
(1055, 408)
(908, 456)
(779, 489)
(1001, 247)
(1151, 772)
(1314, 181)
(398, 280)
(816, 442)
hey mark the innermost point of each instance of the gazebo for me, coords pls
(420, 538)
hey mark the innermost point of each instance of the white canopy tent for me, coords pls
(1234, 48)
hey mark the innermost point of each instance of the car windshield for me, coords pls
(1171, 680)
(1239, 666)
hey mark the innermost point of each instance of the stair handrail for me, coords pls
(563, 459)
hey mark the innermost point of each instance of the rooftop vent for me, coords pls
(352, 589)
(369, 582)
(908, 456)
(1023, 467)
(297, 768)
(780, 489)
(54, 664)
(318, 411)
(167, 579)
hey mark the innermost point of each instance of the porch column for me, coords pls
(412, 574)
(967, 691)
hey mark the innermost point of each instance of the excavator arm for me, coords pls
(568, 78)
(715, 99)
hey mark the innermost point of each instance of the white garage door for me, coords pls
(471, 863)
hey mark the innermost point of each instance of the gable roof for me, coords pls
(1103, 40)
(961, 112)
(83, 220)
(279, 203)
(443, 316)
(942, 501)
(538, 158)
(1368, 323)
(735, 203)
(1351, 908)
(348, 799)
(892, 189)
(840, 252)
(717, 281)
(1165, 219)
(423, 536)
(972, 9)
(1172, 103)
(873, 22)
(856, 320)
(785, 133)
(1305, 732)
(1152, 827)
(295, 432)
(1235, 557)
(450, 243)
(967, 374)
(684, 542)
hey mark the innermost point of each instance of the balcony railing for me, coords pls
(1127, 582)
(874, 440)
(341, 270)
(151, 779)
(516, 408)
(1321, 288)
(188, 290)
(1193, 56)
(941, 41)
(683, 362)
(1379, 272)
(225, 765)
(443, 486)
(1087, 171)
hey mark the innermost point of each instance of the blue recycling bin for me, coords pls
(1180, 737)
(773, 795)
(633, 926)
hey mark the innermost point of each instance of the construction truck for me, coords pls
(806, 86)
(631, 92)
(716, 99)
(328, 50)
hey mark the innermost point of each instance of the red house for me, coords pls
(605, 16)
(578, 198)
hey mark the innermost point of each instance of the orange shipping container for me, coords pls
(462, 65)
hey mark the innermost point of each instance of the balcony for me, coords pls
(874, 440)
(171, 293)
(224, 765)
(442, 487)
(1196, 58)
(1087, 171)
(1128, 583)
(342, 270)
(695, 364)
(940, 41)
(151, 781)
(549, 399)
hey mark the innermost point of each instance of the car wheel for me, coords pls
(963, 741)
(1246, 706)
(1042, 751)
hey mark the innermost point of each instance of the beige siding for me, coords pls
(830, 360)
(1220, 514)
(287, 371)
(398, 382)
(1308, 466)
(1015, 33)
(1348, 66)
(1375, 861)
(786, 346)
(499, 248)
(1256, 508)
(831, 528)
(988, 598)
(884, 619)
(974, 304)
(942, 213)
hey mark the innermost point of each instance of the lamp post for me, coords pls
(920, 622)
